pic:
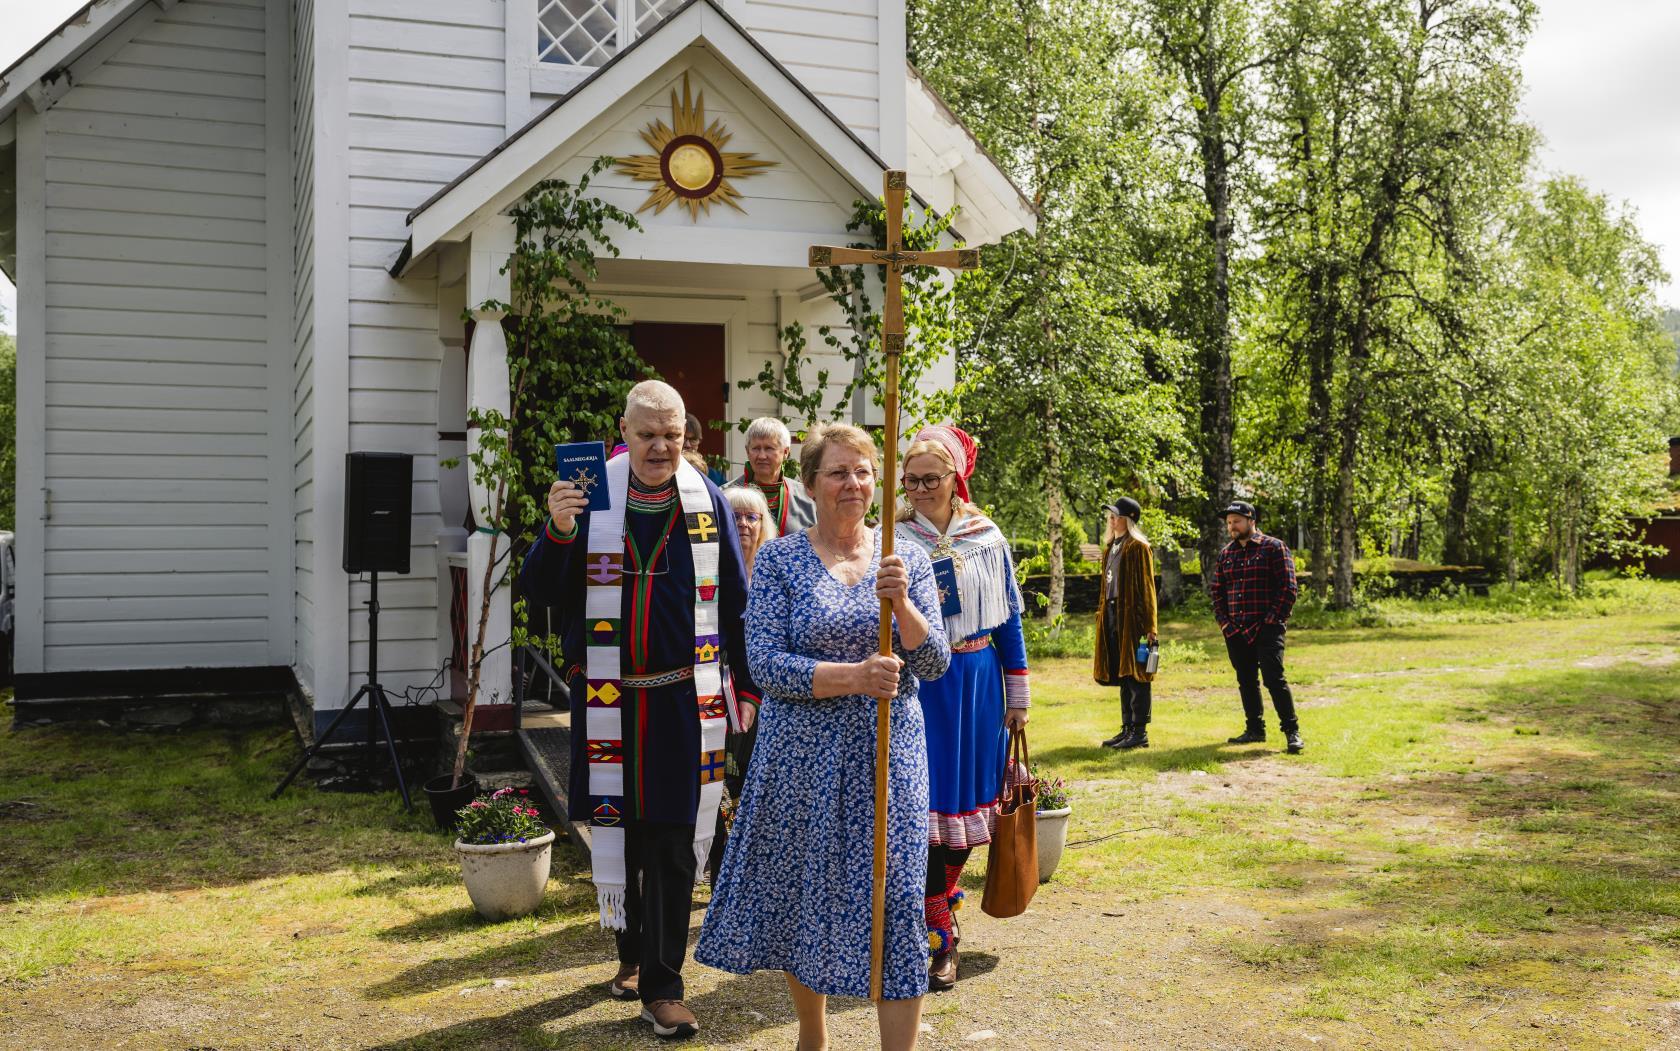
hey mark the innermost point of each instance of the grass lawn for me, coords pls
(1477, 850)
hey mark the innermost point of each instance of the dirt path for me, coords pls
(1503, 876)
(1079, 970)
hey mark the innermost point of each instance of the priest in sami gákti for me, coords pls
(768, 446)
(655, 596)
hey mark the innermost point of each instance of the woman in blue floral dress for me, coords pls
(794, 890)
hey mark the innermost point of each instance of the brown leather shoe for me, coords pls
(942, 975)
(671, 1019)
(625, 984)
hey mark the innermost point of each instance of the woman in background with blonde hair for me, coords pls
(753, 521)
(757, 528)
(1125, 618)
(971, 709)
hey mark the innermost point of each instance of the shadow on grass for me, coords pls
(730, 1013)
(1587, 777)
(1521, 875)
(1154, 760)
(578, 945)
(190, 810)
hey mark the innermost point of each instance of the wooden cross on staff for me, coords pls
(895, 259)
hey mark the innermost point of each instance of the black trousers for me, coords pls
(1261, 661)
(659, 869)
(1136, 699)
(1135, 694)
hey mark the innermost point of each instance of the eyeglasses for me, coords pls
(930, 481)
(749, 517)
(839, 476)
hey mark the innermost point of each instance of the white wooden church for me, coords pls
(243, 234)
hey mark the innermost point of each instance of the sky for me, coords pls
(1600, 82)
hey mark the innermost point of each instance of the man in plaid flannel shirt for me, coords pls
(1253, 591)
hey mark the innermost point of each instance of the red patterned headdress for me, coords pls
(961, 447)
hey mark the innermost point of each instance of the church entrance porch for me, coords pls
(690, 358)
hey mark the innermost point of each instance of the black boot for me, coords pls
(1140, 725)
(1127, 723)
(1295, 745)
(1252, 735)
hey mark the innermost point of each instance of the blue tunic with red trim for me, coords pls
(661, 725)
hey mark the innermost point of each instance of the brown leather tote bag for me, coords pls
(1012, 859)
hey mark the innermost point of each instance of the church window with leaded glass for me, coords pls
(590, 32)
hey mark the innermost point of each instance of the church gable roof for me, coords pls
(41, 74)
(700, 34)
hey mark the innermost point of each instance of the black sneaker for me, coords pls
(1249, 737)
(1295, 744)
(1139, 739)
(1114, 742)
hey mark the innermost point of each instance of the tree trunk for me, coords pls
(1053, 508)
(1171, 565)
(1321, 364)
(1203, 78)
(475, 660)
(1455, 529)
(1347, 525)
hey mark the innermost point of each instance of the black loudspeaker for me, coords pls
(378, 500)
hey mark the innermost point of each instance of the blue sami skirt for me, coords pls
(967, 748)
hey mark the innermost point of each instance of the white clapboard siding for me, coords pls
(157, 451)
(303, 336)
(425, 100)
(833, 47)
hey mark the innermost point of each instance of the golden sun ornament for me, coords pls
(688, 164)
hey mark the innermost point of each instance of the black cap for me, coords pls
(1125, 505)
(1241, 507)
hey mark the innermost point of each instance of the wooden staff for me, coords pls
(895, 259)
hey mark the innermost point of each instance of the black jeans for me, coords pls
(1135, 694)
(1136, 698)
(659, 891)
(1261, 661)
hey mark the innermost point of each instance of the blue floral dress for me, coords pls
(793, 893)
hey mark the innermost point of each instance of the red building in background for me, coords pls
(1662, 529)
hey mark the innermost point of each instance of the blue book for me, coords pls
(945, 577)
(584, 464)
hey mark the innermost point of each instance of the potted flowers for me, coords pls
(504, 850)
(1053, 811)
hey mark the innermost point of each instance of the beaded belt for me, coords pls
(664, 678)
(974, 645)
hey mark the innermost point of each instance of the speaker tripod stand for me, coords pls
(378, 706)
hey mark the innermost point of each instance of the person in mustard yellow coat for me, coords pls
(1126, 617)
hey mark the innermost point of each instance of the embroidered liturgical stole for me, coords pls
(605, 577)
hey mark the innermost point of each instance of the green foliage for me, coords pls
(933, 325)
(569, 363)
(569, 368)
(1074, 373)
(1600, 595)
(1435, 354)
(1056, 637)
(503, 816)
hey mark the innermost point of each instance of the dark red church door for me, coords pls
(689, 358)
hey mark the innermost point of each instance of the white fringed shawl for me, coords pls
(985, 570)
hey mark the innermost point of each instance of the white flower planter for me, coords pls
(506, 880)
(1052, 837)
